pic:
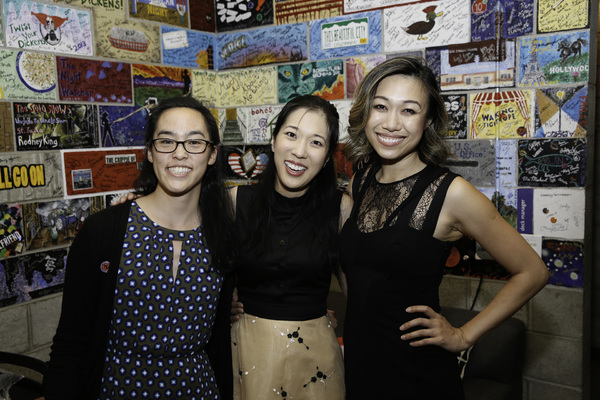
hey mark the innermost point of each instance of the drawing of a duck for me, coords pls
(420, 28)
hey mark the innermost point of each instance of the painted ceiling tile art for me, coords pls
(491, 19)
(127, 39)
(282, 43)
(204, 86)
(460, 261)
(257, 123)
(12, 239)
(559, 213)
(433, 56)
(40, 26)
(243, 14)
(357, 68)
(32, 175)
(187, 48)
(321, 78)
(31, 276)
(247, 87)
(121, 126)
(474, 160)
(421, 25)
(260, 86)
(93, 80)
(118, 36)
(478, 65)
(562, 15)
(56, 222)
(231, 50)
(27, 75)
(456, 107)
(245, 162)
(153, 83)
(564, 259)
(506, 163)
(202, 15)
(100, 171)
(231, 124)
(47, 126)
(345, 36)
(561, 112)
(554, 59)
(229, 87)
(294, 11)
(352, 6)
(552, 162)
(172, 12)
(502, 115)
(7, 142)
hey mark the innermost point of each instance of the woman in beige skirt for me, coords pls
(284, 345)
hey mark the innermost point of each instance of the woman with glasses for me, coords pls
(144, 277)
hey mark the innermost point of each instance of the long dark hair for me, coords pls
(432, 149)
(215, 203)
(321, 200)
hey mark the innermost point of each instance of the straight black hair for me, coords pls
(321, 199)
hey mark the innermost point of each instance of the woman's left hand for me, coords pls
(435, 330)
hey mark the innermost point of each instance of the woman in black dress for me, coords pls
(407, 212)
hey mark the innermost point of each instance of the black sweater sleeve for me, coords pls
(76, 358)
(219, 346)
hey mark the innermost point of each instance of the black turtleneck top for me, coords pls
(290, 281)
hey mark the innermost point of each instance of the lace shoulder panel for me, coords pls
(382, 199)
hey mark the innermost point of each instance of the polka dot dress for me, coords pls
(161, 323)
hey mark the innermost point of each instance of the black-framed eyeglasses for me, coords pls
(192, 146)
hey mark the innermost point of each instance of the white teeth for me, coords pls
(294, 167)
(390, 140)
(180, 170)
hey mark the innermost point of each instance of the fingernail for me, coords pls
(408, 309)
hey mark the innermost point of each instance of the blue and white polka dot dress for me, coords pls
(161, 323)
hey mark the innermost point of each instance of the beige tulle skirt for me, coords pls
(299, 360)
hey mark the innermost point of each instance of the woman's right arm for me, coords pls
(73, 338)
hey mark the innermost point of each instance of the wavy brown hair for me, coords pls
(432, 148)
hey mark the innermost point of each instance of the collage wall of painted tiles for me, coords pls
(79, 77)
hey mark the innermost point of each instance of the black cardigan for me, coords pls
(77, 354)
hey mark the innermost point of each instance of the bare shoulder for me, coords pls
(464, 208)
(462, 195)
(233, 194)
(348, 190)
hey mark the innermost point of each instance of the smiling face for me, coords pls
(300, 151)
(180, 173)
(397, 120)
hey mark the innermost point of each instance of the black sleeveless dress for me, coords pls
(392, 261)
